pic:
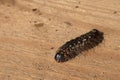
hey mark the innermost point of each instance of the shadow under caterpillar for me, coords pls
(76, 46)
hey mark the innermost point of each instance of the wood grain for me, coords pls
(32, 30)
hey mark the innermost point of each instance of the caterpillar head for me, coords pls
(59, 57)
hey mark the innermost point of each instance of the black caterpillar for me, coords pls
(75, 46)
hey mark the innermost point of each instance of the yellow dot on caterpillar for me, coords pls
(70, 45)
(65, 55)
(74, 44)
(84, 39)
(89, 36)
(83, 44)
(78, 41)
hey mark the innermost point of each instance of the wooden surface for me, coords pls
(32, 30)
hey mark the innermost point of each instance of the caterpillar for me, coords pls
(78, 45)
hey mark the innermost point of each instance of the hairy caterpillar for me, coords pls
(76, 46)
